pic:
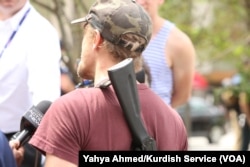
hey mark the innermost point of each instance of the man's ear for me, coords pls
(98, 40)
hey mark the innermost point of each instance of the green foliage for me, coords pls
(223, 39)
(177, 11)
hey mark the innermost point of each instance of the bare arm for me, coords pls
(181, 54)
(54, 161)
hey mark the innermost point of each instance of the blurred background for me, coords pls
(217, 112)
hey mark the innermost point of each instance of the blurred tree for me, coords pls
(61, 13)
(218, 29)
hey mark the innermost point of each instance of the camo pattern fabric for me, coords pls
(121, 22)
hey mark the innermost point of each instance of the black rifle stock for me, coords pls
(123, 79)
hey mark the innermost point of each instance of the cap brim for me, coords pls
(80, 20)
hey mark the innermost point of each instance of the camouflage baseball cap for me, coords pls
(121, 22)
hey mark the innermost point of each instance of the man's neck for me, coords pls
(103, 63)
(158, 22)
(6, 13)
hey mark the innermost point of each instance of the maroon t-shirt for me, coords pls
(92, 119)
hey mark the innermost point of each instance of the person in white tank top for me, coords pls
(178, 61)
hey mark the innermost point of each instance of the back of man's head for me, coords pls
(121, 22)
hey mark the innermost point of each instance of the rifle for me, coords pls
(123, 79)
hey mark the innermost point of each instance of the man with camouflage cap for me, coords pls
(91, 118)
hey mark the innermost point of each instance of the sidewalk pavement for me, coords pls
(226, 142)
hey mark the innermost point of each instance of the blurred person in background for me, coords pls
(245, 108)
(67, 81)
(170, 56)
(230, 101)
(236, 100)
(29, 66)
(244, 102)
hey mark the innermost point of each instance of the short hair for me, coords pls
(120, 53)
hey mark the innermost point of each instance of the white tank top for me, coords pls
(154, 55)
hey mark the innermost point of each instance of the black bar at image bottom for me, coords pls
(163, 158)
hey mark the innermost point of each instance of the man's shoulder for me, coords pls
(40, 22)
(179, 37)
(78, 98)
(85, 93)
(179, 43)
